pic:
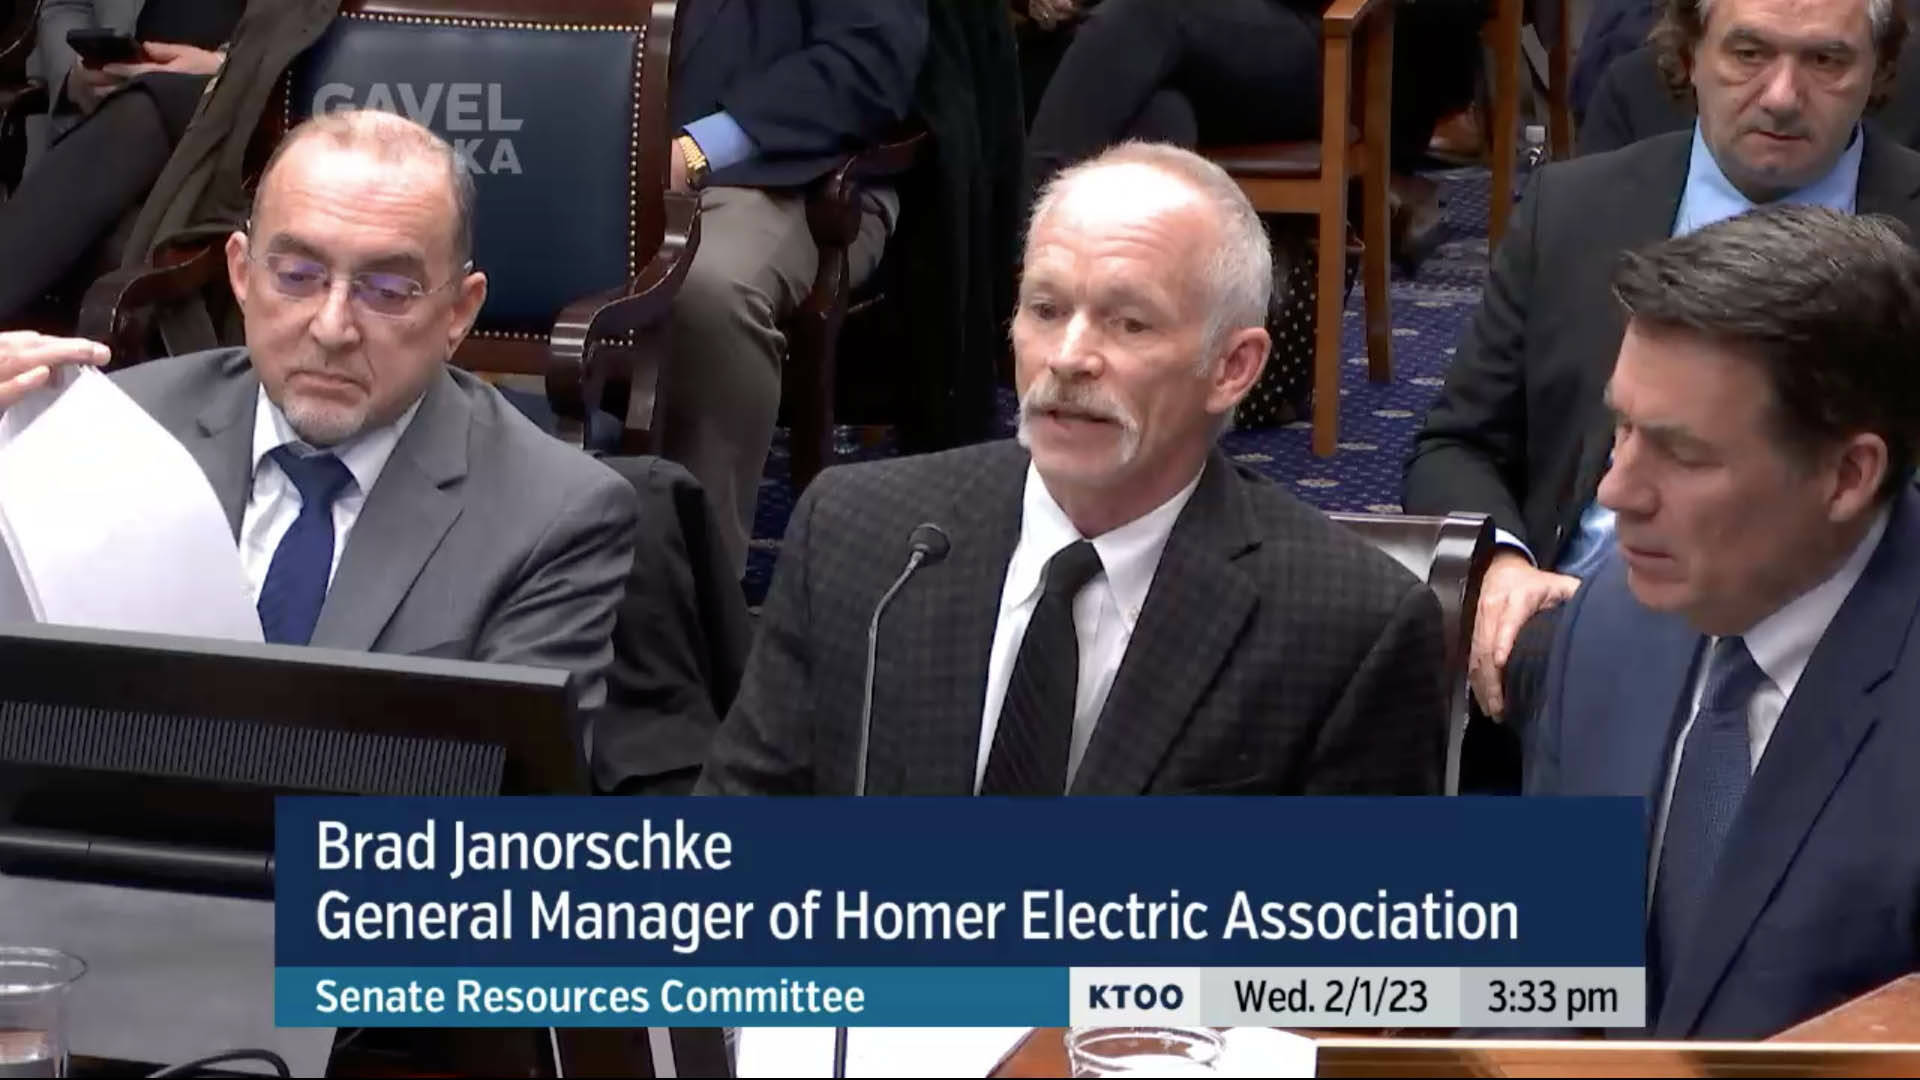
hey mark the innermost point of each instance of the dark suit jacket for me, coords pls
(1629, 103)
(1518, 431)
(483, 539)
(1276, 653)
(954, 259)
(1632, 102)
(810, 80)
(680, 640)
(1613, 29)
(1818, 900)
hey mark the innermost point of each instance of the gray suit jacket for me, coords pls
(1276, 653)
(483, 539)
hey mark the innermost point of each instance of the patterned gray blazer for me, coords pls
(1276, 653)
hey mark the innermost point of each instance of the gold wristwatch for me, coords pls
(696, 161)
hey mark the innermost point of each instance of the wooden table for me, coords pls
(1890, 1014)
(1875, 1035)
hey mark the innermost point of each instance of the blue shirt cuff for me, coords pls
(1503, 538)
(723, 140)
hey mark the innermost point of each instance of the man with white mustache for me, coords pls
(1106, 605)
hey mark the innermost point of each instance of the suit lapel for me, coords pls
(222, 439)
(1829, 716)
(1644, 209)
(955, 604)
(1632, 756)
(1194, 613)
(406, 515)
(1889, 177)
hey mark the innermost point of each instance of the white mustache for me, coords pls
(1047, 394)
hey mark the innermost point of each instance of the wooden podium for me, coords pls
(1876, 1035)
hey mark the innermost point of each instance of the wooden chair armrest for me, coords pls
(833, 204)
(19, 102)
(118, 308)
(891, 156)
(1343, 17)
(577, 373)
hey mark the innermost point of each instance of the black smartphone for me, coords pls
(98, 48)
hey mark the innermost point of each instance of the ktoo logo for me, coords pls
(1137, 996)
(467, 107)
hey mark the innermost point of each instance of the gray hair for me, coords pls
(1879, 14)
(1239, 276)
(1682, 26)
(392, 138)
(1827, 304)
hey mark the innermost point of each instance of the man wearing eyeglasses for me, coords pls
(382, 499)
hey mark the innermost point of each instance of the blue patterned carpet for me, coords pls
(1377, 421)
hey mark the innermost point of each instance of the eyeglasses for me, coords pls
(389, 295)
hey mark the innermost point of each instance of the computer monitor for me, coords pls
(145, 759)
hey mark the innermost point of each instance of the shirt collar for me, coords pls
(1710, 197)
(364, 455)
(1784, 641)
(1129, 555)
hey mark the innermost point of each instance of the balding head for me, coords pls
(1134, 179)
(386, 141)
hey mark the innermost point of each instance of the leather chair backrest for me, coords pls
(543, 116)
(1450, 554)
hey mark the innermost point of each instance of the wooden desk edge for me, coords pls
(1889, 1013)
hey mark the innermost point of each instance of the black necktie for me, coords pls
(1715, 765)
(1032, 742)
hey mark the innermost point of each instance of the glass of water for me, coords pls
(1144, 1051)
(33, 1010)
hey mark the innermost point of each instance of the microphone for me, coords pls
(928, 544)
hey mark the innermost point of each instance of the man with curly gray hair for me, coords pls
(1518, 431)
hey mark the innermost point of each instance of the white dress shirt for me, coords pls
(273, 502)
(1781, 644)
(1104, 613)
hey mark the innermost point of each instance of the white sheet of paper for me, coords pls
(935, 1052)
(110, 522)
(906, 1052)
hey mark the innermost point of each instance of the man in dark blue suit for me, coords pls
(768, 95)
(1745, 660)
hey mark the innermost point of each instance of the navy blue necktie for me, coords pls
(296, 582)
(1034, 740)
(1715, 765)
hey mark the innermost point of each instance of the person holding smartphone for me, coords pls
(91, 80)
(125, 99)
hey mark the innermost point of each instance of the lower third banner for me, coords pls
(961, 997)
(958, 912)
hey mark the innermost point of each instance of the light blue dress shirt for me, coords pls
(723, 140)
(1709, 197)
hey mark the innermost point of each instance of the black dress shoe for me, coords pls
(1418, 223)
